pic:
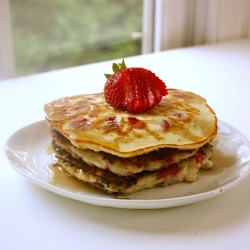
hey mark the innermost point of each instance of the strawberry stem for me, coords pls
(107, 75)
(116, 67)
(122, 65)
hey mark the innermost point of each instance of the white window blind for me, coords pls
(183, 23)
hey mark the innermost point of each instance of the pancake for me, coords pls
(108, 182)
(119, 152)
(152, 161)
(182, 120)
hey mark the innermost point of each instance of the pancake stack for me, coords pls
(120, 152)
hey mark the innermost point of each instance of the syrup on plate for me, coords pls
(59, 178)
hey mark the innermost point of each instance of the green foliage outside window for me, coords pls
(50, 35)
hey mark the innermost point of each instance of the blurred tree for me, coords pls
(50, 35)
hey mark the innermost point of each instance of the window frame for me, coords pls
(7, 61)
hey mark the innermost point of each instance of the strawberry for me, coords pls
(133, 89)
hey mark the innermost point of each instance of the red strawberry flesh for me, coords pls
(134, 89)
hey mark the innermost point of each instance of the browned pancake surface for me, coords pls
(181, 120)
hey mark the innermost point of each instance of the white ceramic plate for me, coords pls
(25, 151)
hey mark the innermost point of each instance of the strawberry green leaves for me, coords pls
(116, 67)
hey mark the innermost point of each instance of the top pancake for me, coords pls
(181, 120)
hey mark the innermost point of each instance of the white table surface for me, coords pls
(33, 218)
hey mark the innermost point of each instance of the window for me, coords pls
(50, 35)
